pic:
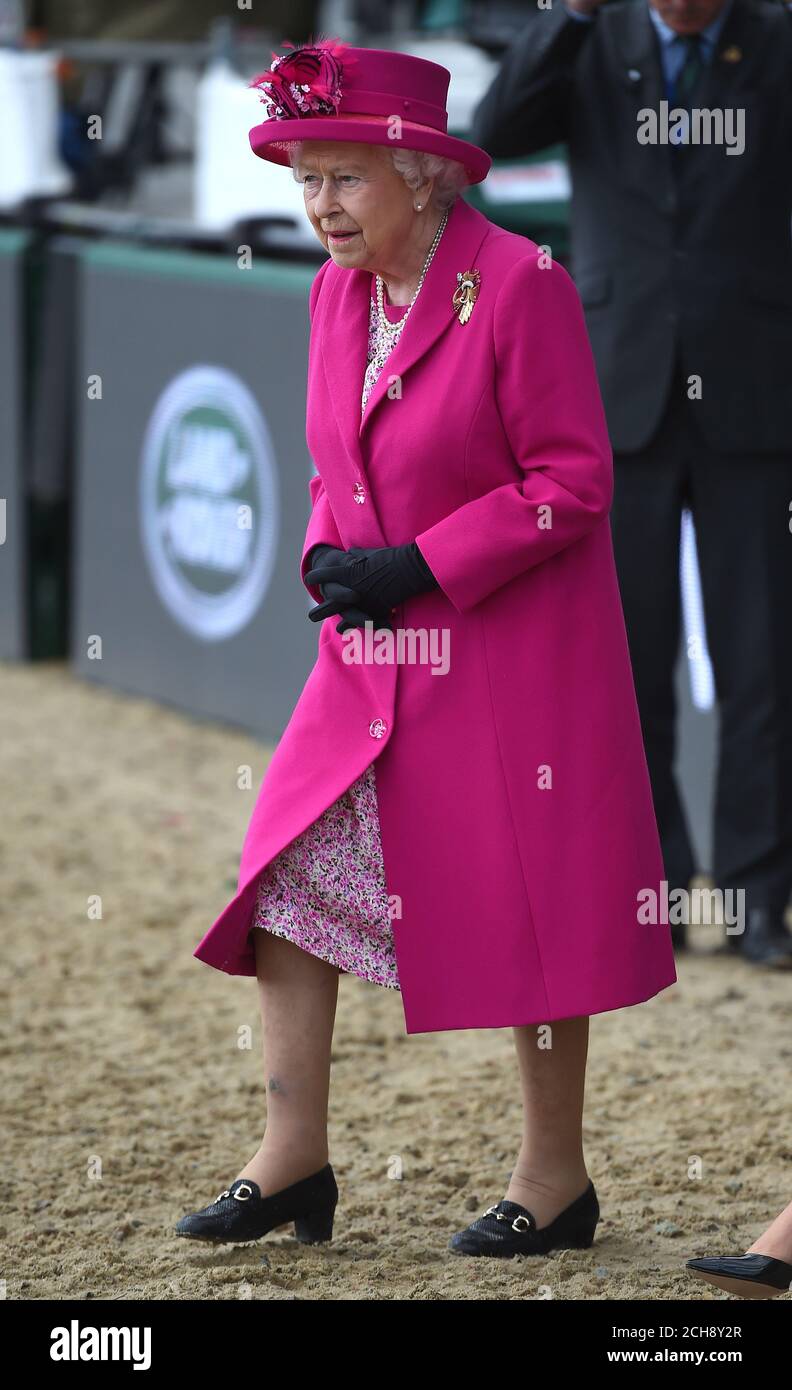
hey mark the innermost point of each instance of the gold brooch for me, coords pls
(466, 293)
(732, 54)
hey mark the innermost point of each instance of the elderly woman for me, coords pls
(477, 832)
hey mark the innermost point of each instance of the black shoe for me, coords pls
(749, 1276)
(765, 940)
(509, 1229)
(241, 1213)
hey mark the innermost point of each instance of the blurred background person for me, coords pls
(683, 260)
(151, 100)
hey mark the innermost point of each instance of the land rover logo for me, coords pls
(209, 502)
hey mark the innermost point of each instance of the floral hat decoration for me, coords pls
(306, 82)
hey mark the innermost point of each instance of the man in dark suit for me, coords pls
(678, 119)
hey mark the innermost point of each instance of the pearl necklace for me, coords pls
(393, 329)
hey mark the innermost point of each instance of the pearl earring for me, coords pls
(418, 207)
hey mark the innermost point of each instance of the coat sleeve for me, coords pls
(526, 106)
(322, 530)
(548, 399)
(321, 524)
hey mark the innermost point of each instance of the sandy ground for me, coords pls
(131, 1102)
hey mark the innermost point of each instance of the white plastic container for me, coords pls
(230, 181)
(30, 165)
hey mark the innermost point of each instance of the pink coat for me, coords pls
(515, 805)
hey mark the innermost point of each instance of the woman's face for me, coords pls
(355, 189)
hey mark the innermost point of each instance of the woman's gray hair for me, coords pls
(415, 167)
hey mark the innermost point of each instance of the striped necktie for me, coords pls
(686, 81)
(690, 71)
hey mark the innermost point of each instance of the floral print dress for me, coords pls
(326, 891)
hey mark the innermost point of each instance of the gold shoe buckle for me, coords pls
(238, 1194)
(520, 1223)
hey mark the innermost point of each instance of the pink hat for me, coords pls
(329, 91)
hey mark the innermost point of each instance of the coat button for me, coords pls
(378, 728)
(359, 492)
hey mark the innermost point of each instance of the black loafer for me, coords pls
(509, 1229)
(749, 1276)
(241, 1213)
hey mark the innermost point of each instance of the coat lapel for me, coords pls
(642, 75)
(722, 76)
(345, 327)
(721, 81)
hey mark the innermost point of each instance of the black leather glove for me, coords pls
(339, 597)
(382, 577)
(321, 554)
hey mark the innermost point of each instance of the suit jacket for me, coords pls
(692, 257)
(513, 795)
